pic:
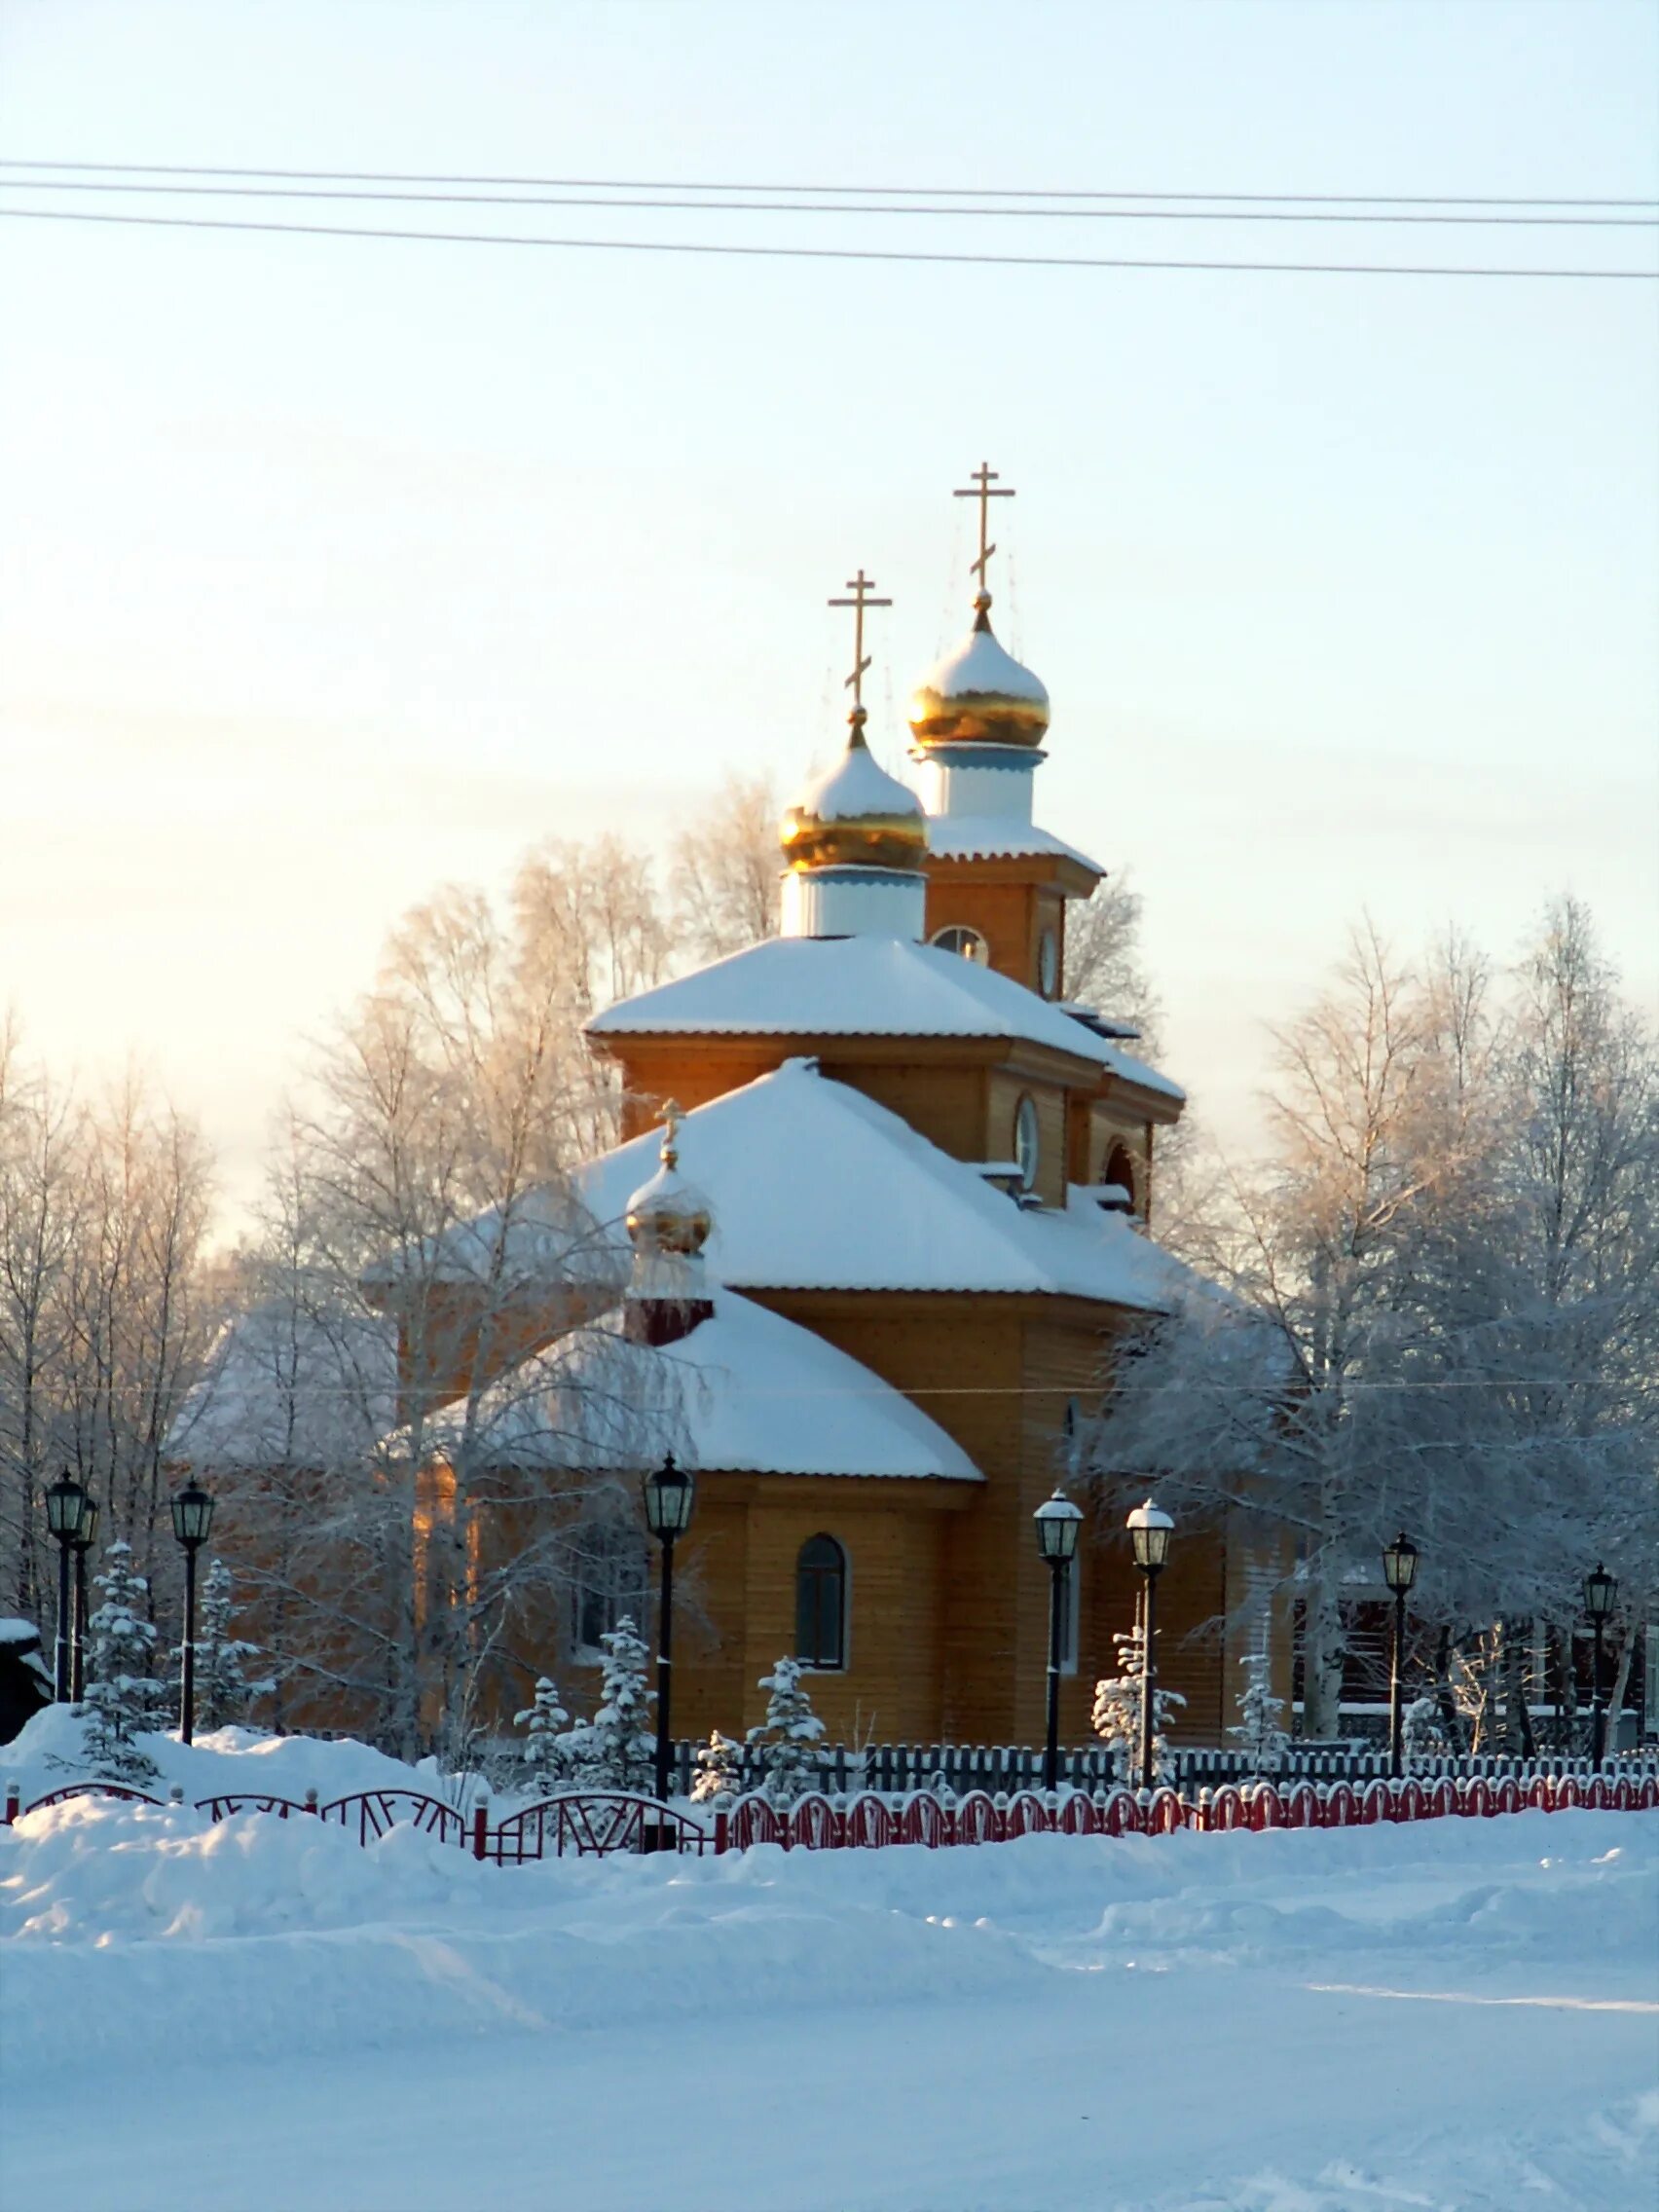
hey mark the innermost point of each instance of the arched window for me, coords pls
(821, 1605)
(1120, 1169)
(1027, 1140)
(969, 942)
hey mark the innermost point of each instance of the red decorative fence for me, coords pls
(594, 1824)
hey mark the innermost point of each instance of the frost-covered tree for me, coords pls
(124, 1700)
(617, 1749)
(724, 875)
(1117, 1715)
(788, 1737)
(225, 1686)
(548, 1753)
(1422, 1737)
(719, 1770)
(1260, 1734)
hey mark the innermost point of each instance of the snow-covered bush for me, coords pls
(124, 1698)
(719, 1770)
(1422, 1739)
(1260, 1734)
(618, 1749)
(789, 1736)
(549, 1754)
(1117, 1715)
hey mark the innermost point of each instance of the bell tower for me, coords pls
(997, 884)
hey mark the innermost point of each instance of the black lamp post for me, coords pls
(83, 1542)
(669, 1494)
(1058, 1522)
(192, 1518)
(1150, 1531)
(1399, 1571)
(1601, 1595)
(65, 1504)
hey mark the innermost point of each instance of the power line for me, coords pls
(807, 253)
(971, 210)
(862, 191)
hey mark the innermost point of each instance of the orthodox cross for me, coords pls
(985, 476)
(672, 1115)
(861, 586)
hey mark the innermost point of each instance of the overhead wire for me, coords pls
(875, 191)
(971, 211)
(779, 252)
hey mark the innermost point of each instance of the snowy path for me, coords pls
(1461, 2014)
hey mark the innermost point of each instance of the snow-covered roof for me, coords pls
(979, 668)
(997, 837)
(853, 987)
(746, 1392)
(292, 1386)
(890, 1211)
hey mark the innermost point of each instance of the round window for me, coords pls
(1047, 964)
(1027, 1143)
(969, 942)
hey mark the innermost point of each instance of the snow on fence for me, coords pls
(599, 1823)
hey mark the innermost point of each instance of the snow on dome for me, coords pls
(746, 1392)
(668, 1214)
(856, 815)
(979, 694)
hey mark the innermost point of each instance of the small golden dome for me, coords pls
(978, 694)
(668, 1214)
(857, 816)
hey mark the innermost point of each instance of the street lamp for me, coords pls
(1150, 1531)
(1399, 1571)
(83, 1543)
(669, 1495)
(1601, 1595)
(192, 1518)
(1059, 1523)
(65, 1504)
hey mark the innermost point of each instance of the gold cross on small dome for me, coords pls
(985, 476)
(673, 1114)
(861, 586)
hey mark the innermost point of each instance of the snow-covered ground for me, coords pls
(265, 2015)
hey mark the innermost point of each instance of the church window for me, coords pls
(1066, 1598)
(1047, 964)
(821, 1605)
(609, 1580)
(969, 942)
(1027, 1140)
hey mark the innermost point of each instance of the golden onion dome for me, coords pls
(669, 1214)
(978, 694)
(857, 816)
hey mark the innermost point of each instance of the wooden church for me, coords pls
(900, 1213)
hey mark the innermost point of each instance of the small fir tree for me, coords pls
(1260, 1734)
(549, 1755)
(124, 1698)
(1422, 1737)
(223, 1690)
(789, 1735)
(616, 1750)
(719, 1770)
(1117, 1716)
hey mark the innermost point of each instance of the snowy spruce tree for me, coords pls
(548, 1754)
(788, 1737)
(124, 1700)
(618, 1747)
(719, 1770)
(1117, 1715)
(223, 1689)
(1260, 1734)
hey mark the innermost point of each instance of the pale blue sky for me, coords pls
(335, 569)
